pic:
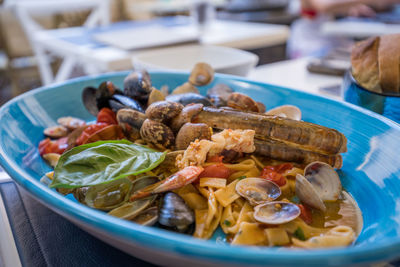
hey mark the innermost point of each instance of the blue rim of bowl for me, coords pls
(186, 246)
(353, 80)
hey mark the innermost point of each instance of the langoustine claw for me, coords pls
(175, 181)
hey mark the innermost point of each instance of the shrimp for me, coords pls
(175, 181)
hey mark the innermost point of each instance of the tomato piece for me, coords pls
(274, 173)
(107, 116)
(57, 146)
(216, 158)
(305, 213)
(218, 170)
(110, 132)
(91, 129)
(281, 168)
(273, 176)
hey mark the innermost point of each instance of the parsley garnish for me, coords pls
(299, 234)
(241, 177)
(227, 223)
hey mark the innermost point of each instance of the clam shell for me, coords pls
(163, 111)
(157, 133)
(201, 74)
(276, 212)
(324, 179)
(109, 196)
(147, 217)
(307, 194)
(57, 131)
(130, 210)
(258, 190)
(286, 111)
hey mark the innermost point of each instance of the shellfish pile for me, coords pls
(172, 121)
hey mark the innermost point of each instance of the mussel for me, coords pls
(276, 212)
(137, 85)
(258, 190)
(189, 98)
(117, 102)
(110, 195)
(320, 183)
(107, 95)
(130, 210)
(175, 213)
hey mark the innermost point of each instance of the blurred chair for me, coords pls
(28, 11)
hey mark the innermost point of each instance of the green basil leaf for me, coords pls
(102, 162)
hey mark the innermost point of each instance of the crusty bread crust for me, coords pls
(376, 63)
(389, 63)
(364, 61)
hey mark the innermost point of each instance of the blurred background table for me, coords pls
(80, 44)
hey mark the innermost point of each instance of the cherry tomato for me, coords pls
(305, 213)
(281, 168)
(274, 173)
(57, 146)
(107, 116)
(218, 170)
(91, 129)
(273, 176)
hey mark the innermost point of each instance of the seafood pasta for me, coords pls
(192, 164)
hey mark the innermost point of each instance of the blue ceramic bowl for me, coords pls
(385, 104)
(370, 174)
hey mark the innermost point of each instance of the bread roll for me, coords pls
(376, 64)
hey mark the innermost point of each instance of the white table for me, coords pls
(78, 43)
(293, 74)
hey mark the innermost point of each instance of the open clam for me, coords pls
(130, 210)
(307, 194)
(108, 196)
(320, 183)
(147, 217)
(257, 190)
(276, 212)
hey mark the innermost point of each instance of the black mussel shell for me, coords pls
(175, 214)
(118, 102)
(106, 90)
(89, 100)
(188, 98)
(137, 85)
